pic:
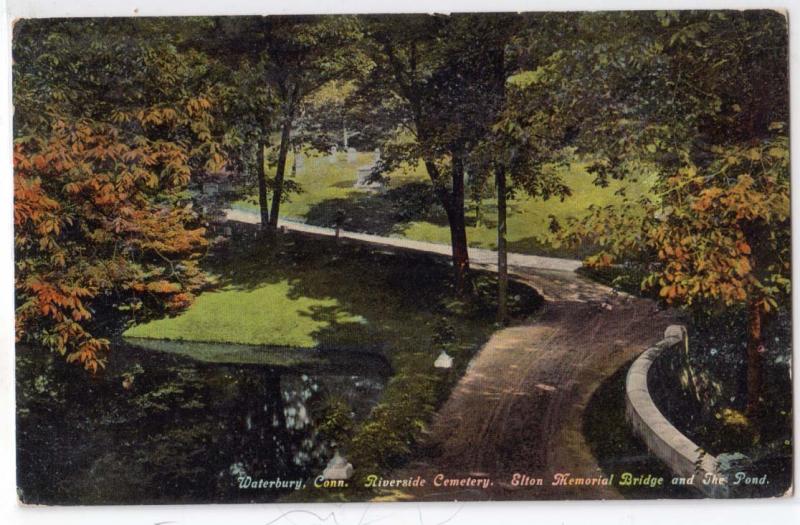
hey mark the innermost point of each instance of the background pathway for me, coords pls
(477, 255)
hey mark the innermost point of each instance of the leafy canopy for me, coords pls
(111, 121)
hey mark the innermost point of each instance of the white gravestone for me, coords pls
(364, 173)
(351, 155)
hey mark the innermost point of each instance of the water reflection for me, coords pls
(159, 427)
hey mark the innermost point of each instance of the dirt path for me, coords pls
(477, 255)
(518, 409)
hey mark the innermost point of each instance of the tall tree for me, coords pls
(701, 100)
(531, 123)
(251, 104)
(292, 56)
(250, 109)
(304, 53)
(111, 122)
(497, 33)
(434, 97)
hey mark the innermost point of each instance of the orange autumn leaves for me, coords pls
(113, 118)
(101, 222)
(712, 235)
(706, 244)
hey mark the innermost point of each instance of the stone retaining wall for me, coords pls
(678, 452)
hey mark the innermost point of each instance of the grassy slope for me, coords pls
(615, 447)
(234, 314)
(311, 293)
(529, 218)
(327, 186)
(322, 180)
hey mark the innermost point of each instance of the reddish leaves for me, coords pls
(97, 219)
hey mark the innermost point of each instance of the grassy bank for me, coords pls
(317, 294)
(408, 209)
(236, 314)
(309, 293)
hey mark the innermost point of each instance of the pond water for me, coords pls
(158, 426)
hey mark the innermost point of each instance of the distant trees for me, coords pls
(108, 129)
(296, 55)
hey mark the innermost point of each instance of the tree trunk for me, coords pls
(454, 207)
(277, 192)
(263, 204)
(458, 240)
(500, 79)
(755, 359)
(502, 248)
(453, 204)
(458, 229)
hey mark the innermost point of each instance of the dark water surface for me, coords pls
(161, 427)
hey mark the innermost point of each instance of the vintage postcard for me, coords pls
(333, 258)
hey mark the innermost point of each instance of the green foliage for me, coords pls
(716, 229)
(386, 438)
(335, 422)
(444, 334)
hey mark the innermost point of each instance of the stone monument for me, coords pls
(364, 174)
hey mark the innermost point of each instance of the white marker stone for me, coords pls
(443, 361)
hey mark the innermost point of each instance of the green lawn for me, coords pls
(323, 181)
(311, 293)
(528, 218)
(233, 314)
(408, 209)
(307, 292)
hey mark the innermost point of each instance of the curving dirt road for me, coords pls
(518, 409)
